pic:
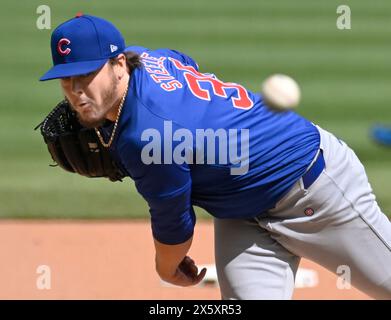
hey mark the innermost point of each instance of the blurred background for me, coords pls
(344, 76)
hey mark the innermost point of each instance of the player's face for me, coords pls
(93, 95)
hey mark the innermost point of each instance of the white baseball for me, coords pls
(280, 92)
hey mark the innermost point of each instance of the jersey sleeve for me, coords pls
(167, 190)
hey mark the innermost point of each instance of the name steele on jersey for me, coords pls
(159, 74)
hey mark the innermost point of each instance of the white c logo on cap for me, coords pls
(60, 44)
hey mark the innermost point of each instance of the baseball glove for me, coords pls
(76, 148)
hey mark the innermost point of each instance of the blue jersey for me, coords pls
(187, 138)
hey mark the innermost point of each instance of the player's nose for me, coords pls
(76, 85)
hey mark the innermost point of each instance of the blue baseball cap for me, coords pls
(82, 45)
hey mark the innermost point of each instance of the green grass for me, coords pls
(345, 79)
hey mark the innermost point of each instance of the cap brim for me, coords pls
(73, 69)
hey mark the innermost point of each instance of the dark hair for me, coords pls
(133, 60)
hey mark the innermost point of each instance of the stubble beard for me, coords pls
(108, 98)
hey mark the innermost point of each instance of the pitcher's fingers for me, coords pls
(190, 269)
(190, 259)
(201, 276)
(188, 265)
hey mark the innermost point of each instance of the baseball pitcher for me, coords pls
(278, 186)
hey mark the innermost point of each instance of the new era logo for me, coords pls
(113, 48)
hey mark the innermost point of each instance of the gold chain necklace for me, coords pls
(107, 145)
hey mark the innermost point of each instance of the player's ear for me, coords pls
(119, 64)
(121, 58)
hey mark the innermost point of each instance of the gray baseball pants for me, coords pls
(336, 222)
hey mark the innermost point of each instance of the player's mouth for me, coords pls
(83, 105)
(85, 109)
